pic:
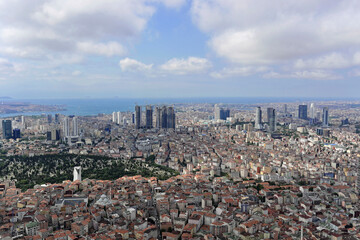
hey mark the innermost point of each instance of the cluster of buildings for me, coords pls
(235, 182)
(162, 118)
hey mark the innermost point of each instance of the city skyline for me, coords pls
(62, 49)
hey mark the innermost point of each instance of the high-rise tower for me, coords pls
(137, 116)
(272, 119)
(258, 118)
(75, 126)
(325, 117)
(7, 129)
(66, 127)
(158, 117)
(312, 111)
(217, 110)
(170, 117)
(303, 112)
(163, 117)
(149, 117)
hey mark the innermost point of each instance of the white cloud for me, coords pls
(8, 67)
(106, 49)
(276, 32)
(314, 74)
(238, 71)
(132, 65)
(333, 60)
(76, 73)
(44, 29)
(183, 66)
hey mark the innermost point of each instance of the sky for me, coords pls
(179, 48)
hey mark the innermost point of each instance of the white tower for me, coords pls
(114, 117)
(66, 127)
(77, 173)
(75, 126)
(118, 117)
(312, 110)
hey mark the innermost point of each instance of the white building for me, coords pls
(77, 173)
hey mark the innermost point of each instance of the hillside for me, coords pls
(29, 171)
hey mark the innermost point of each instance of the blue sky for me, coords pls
(179, 48)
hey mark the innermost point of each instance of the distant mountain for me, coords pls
(5, 97)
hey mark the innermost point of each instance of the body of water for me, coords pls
(90, 107)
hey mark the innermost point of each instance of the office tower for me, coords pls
(16, 133)
(57, 118)
(285, 109)
(217, 110)
(118, 117)
(258, 118)
(48, 135)
(325, 117)
(158, 117)
(75, 126)
(77, 173)
(49, 118)
(66, 127)
(312, 110)
(269, 112)
(114, 117)
(137, 116)
(53, 135)
(71, 128)
(22, 120)
(163, 117)
(170, 117)
(303, 112)
(224, 113)
(272, 119)
(149, 116)
(7, 129)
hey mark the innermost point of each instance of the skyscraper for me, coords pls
(16, 133)
(303, 112)
(163, 117)
(75, 126)
(224, 113)
(57, 118)
(114, 117)
(269, 112)
(70, 128)
(149, 117)
(258, 118)
(137, 117)
(118, 117)
(66, 127)
(7, 129)
(170, 117)
(158, 117)
(217, 110)
(49, 118)
(272, 120)
(325, 117)
(312, 111)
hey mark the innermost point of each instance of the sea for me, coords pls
(92, 106)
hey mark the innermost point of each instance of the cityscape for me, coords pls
(200, 171)
(179, 120)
